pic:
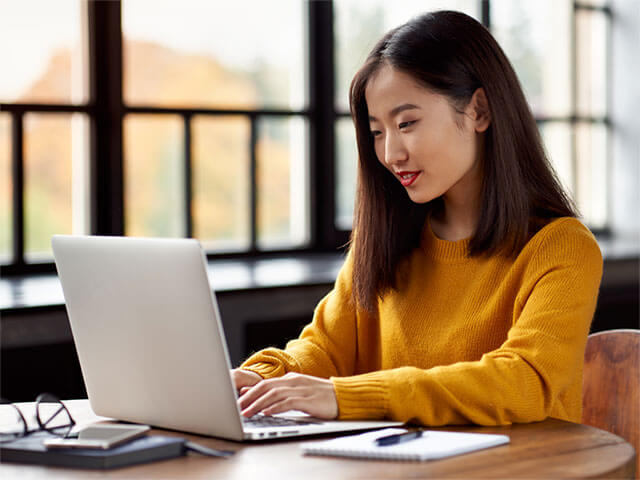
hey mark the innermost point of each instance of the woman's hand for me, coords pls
(292, 391)
(244, 378)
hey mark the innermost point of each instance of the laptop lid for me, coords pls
(144, 323)
(150, 342)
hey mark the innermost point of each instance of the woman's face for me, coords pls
(430, 148)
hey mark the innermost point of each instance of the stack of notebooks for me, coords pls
(432, 445)
(141, 450)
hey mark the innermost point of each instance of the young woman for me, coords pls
(469, 287)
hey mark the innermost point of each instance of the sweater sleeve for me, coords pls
(326, 347)
(520, 381)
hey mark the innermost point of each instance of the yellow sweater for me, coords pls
(488, 341)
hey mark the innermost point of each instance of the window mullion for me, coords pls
(324, 233)
(574, 103)
(17, 174)
(485, 8)
(253, 185)
(188, 177)
(105, 81)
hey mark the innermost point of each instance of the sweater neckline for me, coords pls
(443, 249)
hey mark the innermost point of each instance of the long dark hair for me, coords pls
(451, 54)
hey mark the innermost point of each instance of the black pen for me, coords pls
(398, 438)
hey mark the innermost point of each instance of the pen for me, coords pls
(399, 438)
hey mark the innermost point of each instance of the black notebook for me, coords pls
(141, 450)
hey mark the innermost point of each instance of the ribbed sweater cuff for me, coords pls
(364, 397)
(265, 370)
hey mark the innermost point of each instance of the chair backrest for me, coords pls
(611, 386)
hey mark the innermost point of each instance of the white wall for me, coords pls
(625, 114)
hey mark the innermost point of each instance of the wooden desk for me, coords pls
(549, 449)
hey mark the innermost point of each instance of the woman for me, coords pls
(469, 287)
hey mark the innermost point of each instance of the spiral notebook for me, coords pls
(432, 445)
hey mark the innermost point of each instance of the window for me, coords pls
(159, 118)
(43, 127)
(246, 147)
(6, 191)
(54, 158)
(559, 49)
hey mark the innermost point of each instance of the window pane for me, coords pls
(359, 24)
(43, 45)
(346, 168)
(154, 175)
(536, 36)
(591, 49)
(558, 144)
(56, 179)
(214, 54)
(6, 189)
(595, 3)
(591, 152)
(221, 182)
(282, 179)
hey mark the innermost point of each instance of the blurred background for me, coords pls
(228, 122)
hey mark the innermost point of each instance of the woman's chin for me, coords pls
(421, 197)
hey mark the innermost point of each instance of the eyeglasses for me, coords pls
(51, 416)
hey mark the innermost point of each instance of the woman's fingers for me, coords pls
(259, 390)
(312, 395)
(289, 403)
(266, 400)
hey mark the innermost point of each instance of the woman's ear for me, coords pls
(479, 107)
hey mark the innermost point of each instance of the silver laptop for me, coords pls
(150, 342)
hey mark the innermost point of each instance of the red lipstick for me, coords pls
(408, 178)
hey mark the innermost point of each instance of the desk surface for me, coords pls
(549, 449)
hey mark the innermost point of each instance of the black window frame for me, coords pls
(106, 111)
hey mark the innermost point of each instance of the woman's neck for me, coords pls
(449, 226)
(458, 217)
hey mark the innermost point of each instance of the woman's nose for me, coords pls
(394, 150)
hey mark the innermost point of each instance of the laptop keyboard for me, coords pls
(264, 421)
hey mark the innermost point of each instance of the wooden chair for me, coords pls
(611, 386)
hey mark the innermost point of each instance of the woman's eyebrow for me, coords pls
(396, 110)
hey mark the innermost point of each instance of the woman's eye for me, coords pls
(376, 133)
(406, 124)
